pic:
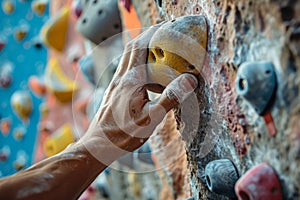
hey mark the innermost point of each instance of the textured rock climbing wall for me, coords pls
(240, 31)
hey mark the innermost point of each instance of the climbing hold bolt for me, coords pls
(177, 47)
(259, 183)
(221, 176)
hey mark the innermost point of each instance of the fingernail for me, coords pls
(188, 82)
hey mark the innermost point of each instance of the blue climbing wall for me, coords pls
(22, 58)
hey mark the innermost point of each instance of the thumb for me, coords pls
(178, 90)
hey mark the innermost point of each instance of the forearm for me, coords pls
(64, 176)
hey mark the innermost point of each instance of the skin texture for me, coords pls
(124, 121)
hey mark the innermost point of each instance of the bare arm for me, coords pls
(124, 122)
(64, 176)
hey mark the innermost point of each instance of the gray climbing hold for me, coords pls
(221, 176)
(256, 82)
(99, 20)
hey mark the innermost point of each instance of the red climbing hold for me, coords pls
(2, 44)
(126, 4)
(259, 183)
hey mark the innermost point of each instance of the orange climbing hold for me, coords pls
(37, 86)
(5, 125)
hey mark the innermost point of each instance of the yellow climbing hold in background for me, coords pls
(58, 84)
(8, 6)
(54, 32)
(20, 34)
(59, 140)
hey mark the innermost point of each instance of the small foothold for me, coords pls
(126, 4)
(37, 86)
(20, 34)
(221, 176)
(5, 125)
(4, 153)
(256, 82)
(86, 65)
(6, 75)
(19, 133)
(5, 81)
(166, 61)
(44, 110)
(39, 6)
(37, 42)
(21, 103)
(2, 44)
(77, 8)
(59, 140)
(21, 161)
(98, 23)
(8, 6)
(74, 53)
(259, 183)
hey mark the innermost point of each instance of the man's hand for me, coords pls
(127, 117)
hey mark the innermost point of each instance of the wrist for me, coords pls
(100, 149)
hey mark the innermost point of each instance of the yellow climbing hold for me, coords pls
(60, 139)
(177, 47)
(39, 7)
(54, 32)
(58, 84)
(21, 103)
(8, 6)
